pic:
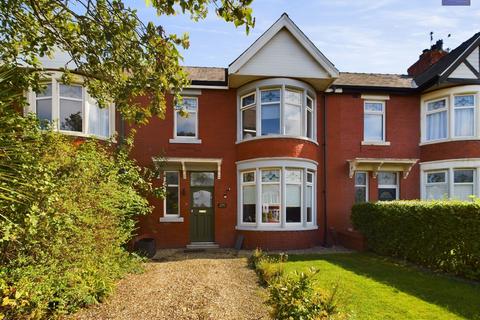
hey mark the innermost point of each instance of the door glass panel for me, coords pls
(204, 179)
(202, 199)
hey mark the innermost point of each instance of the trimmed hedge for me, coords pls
(441, 235)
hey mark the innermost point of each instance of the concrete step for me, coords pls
(203, 245)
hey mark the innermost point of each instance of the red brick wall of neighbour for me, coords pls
(450, 150)
(344, 137)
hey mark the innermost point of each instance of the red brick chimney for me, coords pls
(427, 58)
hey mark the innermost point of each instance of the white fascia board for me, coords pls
(284, 22)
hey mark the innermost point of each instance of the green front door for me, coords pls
(202, 207)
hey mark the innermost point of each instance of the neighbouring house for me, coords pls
(278, 146)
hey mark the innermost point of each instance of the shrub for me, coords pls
(67, 210)
(442, 235)
(291, 296)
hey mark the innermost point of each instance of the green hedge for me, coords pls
(441, 235)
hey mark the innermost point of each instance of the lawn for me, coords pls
(371, 287)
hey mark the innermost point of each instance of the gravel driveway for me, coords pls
(202, 285)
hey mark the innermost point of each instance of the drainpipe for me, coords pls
(324, 145)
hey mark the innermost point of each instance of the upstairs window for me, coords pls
(270, 112)
(186, 118)
(249, 116)
(436, 124)
(276, 107)
(293, 113)
(374, 121)
(70, 109)
(464, 113)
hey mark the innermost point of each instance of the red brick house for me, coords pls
(278, 146)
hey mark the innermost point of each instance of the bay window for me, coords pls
(70, 109)
(436, 126)
(436, 186)
(276, 107)
(249, 116)
(276, 195)
(249, 195)
(464, 113)
(270, 196)
(463, 184)
(374, 121)
(293, 113)
(310, 196)
(270, 107)
(387, 186)
(293, 179)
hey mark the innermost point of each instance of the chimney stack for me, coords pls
(427, 58)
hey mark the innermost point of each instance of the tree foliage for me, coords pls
(120, 56)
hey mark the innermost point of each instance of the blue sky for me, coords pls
(384, 36)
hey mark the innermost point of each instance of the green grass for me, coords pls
(371, 287)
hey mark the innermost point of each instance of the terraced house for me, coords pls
(280, 144)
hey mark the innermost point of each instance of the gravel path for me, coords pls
(203, 285)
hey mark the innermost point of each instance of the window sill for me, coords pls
(277, 136)
(81, 134)
(185, 140)
(375, 143)
(448, 140)
(276, 228)
(171, 219)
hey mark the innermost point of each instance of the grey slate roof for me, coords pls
(373, 80)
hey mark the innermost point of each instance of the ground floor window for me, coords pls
(451, 179)
(277, 197)
(387, 186)
(361, 187)
(171, 201)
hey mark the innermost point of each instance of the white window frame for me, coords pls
(245, 184)
(461, 108)
(427, 113)
(282, 84)
(473, 183)
(186, 139)
(55, 81)
(165, 213)
(302, 106)
(282, 164)
(428, 184)
(281, 195)
(280, 111)
(312, 121)
(382, 113)
(303, 190)
(310, 184)
(82, 100)
(361, 185)
(390, 186)
(246, 107)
